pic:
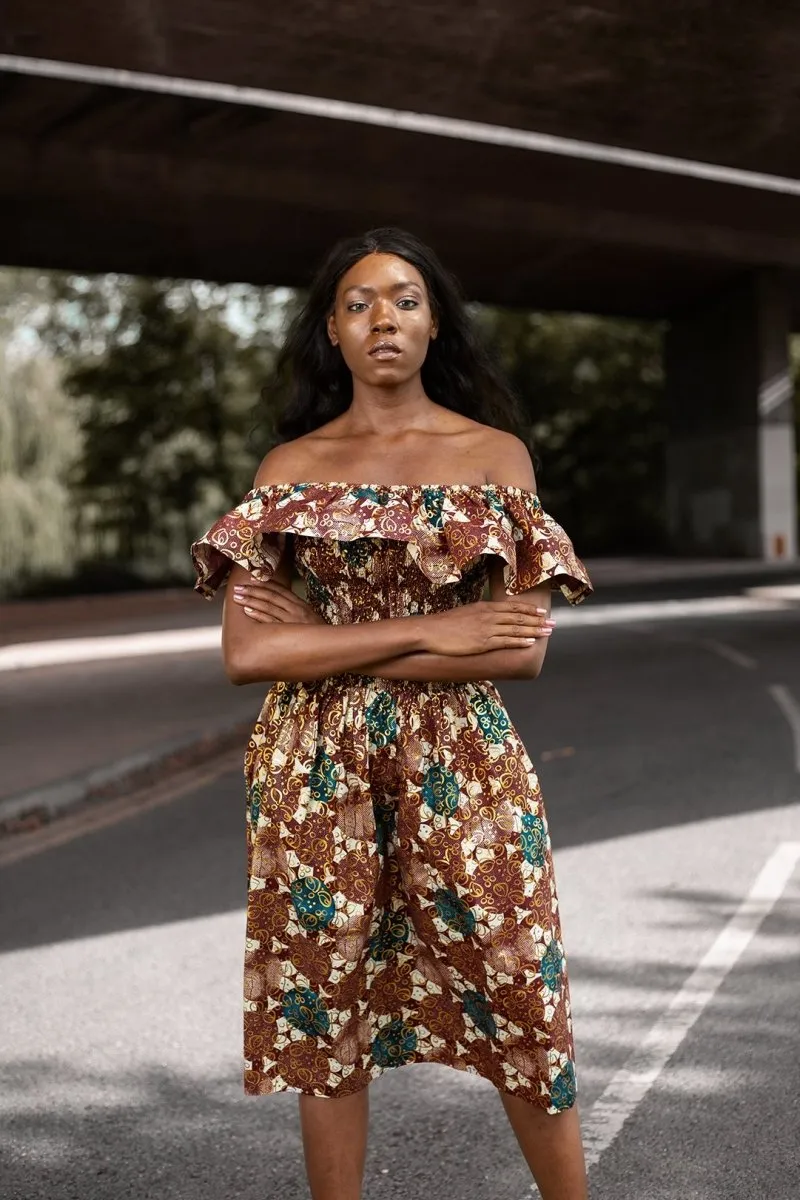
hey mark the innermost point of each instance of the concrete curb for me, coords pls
(27, 810)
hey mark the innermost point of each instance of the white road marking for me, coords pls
(661, 610)
(730, 653)
(62, 651)
(791, 710)
(776, 591)
(630, 1085)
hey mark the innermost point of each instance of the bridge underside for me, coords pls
(100, 177)
(114, 179)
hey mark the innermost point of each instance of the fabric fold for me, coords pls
(446, 528)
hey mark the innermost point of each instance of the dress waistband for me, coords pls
(351, 679)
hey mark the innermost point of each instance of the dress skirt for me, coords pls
(402, 904)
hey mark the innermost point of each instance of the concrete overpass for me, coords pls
(616, 158)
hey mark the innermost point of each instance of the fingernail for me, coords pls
(541, 610)
(249, 611)
(549, 622)
(237, 591)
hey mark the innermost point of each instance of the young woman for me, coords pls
(402, 904)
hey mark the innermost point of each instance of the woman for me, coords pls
(402, 904)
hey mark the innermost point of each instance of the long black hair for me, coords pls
(313, 383)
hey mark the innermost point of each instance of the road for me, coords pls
(670, 771)
(61, 722)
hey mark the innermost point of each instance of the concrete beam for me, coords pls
(196, 193)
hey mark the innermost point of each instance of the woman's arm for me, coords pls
(268, 603)
(269, 633)
(505, 637)
(494, 664)
(281, 649)
(277, 650)
(513, 466)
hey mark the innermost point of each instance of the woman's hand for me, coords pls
(484, 625)
(272, 601)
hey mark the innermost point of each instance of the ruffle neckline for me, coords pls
(388, 487)
(447, 527)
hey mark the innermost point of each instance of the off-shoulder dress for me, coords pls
(402, 905)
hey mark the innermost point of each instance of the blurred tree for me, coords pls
(167, 392)
(39, 446)
(165, 379)
(24, 299)
(593, 389)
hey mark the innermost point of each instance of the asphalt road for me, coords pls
(61, 722)
(671, 778)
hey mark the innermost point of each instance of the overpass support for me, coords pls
(731, 468)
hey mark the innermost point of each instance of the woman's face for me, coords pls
(382, 320)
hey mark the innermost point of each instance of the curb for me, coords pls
(39, 806)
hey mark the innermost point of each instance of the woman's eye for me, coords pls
(356, 306)
(407, 302)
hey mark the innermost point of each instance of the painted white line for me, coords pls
(58, 652)
(130, 645)
(392, 118)
(631, 1084)
(776, 591)
(729, 653)
(662, 610)
(791, 710)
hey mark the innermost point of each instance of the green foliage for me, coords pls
(154, 422)
(167, 393)
(39, 446)
(593, 390)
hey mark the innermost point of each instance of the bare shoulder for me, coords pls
(507, 459)
(501, 456)
(286, 463)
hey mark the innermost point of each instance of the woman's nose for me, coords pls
(383, 320)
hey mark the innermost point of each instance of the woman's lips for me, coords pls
(384, 350)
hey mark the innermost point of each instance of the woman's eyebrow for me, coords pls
(366, 290)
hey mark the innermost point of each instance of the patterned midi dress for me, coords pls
(402, 905)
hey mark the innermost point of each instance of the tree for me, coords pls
(163, 380)
(39, 446)
(593, 389)
(167, 395)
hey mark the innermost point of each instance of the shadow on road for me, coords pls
(720, 1120)
(170, 1136)
(184, 1135)
(659, 736)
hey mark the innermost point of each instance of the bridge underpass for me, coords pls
(643, 164)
